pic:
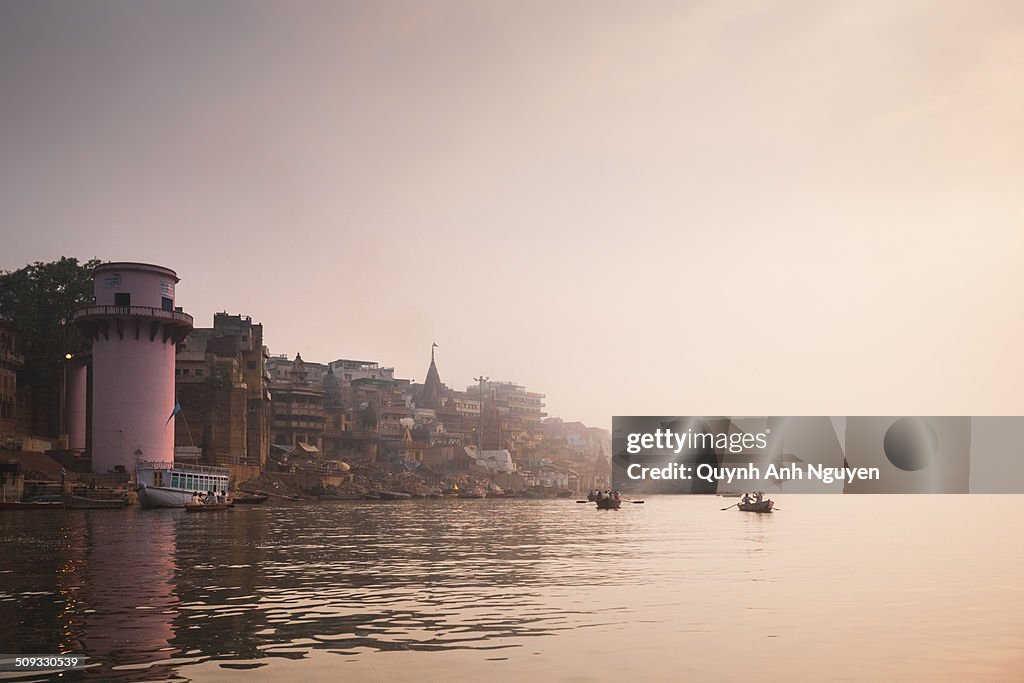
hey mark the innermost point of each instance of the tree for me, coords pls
(40, 300)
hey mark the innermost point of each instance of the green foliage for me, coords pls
(40, 300)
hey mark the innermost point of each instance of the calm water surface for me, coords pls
(829, 588)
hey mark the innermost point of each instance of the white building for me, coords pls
(499, 461)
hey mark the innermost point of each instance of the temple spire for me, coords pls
(433, 391)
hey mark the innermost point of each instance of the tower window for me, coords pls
(122, 299)
(166, 304)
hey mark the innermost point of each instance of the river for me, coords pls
(837, 587)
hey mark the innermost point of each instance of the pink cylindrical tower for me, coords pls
(135, 329)
(76, 379)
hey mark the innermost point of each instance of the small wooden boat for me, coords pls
(763, 506)
(34, 505)
(394, 495)
(609, 503)
(206, 507)
(73, 502)
(250, 500)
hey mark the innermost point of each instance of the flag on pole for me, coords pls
(177, 409)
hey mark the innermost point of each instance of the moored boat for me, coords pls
(475, 492)
(250, 500)
(73, 502)
(31, 505)
(394, 495)
(171, 484)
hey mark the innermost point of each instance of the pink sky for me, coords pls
(635, 208)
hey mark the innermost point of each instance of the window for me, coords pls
(166, 304)
(199, 372)
(122, 299)
(185, 372)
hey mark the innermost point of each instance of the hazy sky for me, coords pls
(634, 207)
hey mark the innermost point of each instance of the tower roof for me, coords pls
(433, 390)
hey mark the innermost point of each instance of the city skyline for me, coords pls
(656, 209)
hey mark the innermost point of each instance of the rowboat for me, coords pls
(73, 502)
(394, 495)
(763, 506)
(48, 505)
(609, 503)
(250, 500)
(205, 507)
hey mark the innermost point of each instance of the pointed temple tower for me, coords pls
(135, 330)
(432, 394)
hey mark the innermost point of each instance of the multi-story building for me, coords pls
(297, 405)
(280, 369)
(10, 362)
(252, 356)
(347, 370)
(223, 390)
(521, 412)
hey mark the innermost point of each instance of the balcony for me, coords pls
(149, 312)
(11, 357)
(97, 320)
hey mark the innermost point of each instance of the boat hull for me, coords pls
(250, 500)
(206, 507)
(608, 504)
(31, 506)
(82, 503)
(161, 497)
(763, 506)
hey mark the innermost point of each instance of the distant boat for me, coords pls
(609, 503)
(475, 492)
(73, 502)
(763, 506)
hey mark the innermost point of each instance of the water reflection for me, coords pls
(509, 588)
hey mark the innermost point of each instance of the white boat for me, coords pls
(171, 484)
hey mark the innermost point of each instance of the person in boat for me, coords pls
(759, 496)
(223, 496)
(195, 498)
(746, 499)
(210, 499)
